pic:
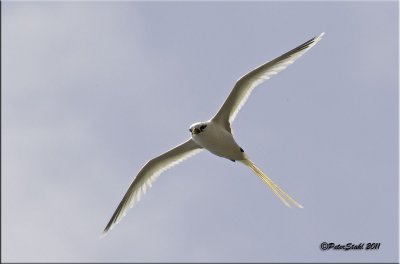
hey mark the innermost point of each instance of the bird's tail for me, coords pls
(285, 198)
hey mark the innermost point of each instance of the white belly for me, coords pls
(219, 141)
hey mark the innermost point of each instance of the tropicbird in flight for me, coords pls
(215, 135)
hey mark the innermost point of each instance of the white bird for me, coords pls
(215, 135)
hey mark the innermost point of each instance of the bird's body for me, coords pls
(216, 139)
(215, 135)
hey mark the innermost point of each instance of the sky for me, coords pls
(92, 90)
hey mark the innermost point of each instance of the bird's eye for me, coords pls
(203, 126)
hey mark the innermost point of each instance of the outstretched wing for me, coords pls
(148, 174)
(248, 82)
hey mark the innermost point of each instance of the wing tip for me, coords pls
(311, 43)
(319, 37)
(105, 232)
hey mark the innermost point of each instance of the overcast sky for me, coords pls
(91, 91)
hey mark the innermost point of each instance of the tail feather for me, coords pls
(274, 187)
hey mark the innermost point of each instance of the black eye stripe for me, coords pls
(203, 126)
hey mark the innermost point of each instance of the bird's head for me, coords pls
(197, 128)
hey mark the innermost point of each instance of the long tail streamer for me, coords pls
(285, 198)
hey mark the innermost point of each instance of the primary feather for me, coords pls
(245, 85)
(148, 174)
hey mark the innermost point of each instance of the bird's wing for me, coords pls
(148, 174)
(245, 85)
